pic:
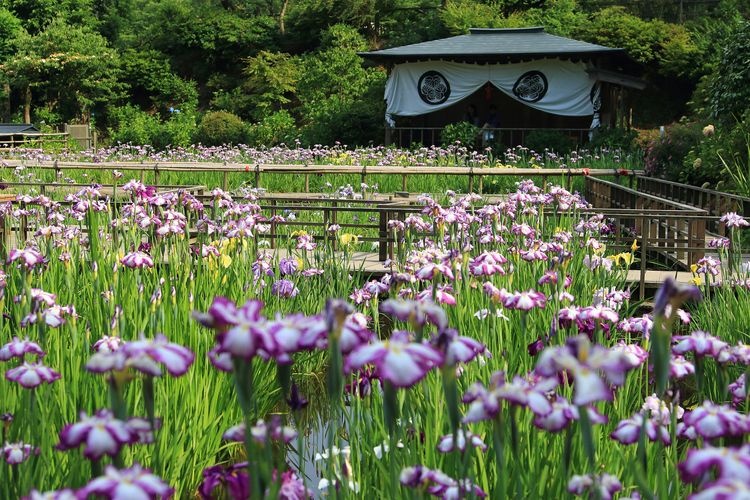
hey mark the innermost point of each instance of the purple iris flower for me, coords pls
(487, 264)
(734, 220)
(679, 367)
(262, 432)
(27, 257)
(102, 434)
(17, 348)
(606, 485)
(417, 313)
(594, 368)
(292, 488)
(108, 344)
(738, 390)
(711, 421)
(455, 348)
(233, 477)
(397, 360)
(288, 266)
(463, 438)
(17, 453)
(524, 301)
(64, 494)
(530, 392)
(284, 289)
(430, 271)
(144, 355)
(137, 260)
(31, 375)
(134, 482)
(700, 343)
(438, 484)
(728, 463)
(723, 489)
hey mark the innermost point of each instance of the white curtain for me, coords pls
(551, 85)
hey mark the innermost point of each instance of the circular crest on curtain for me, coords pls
(531, 86)
(433, 88)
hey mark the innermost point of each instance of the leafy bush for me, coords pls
(464, 132)
(729, 91)
(179, 130)
(221, 127)
(720, 148)
(665, 155)
(738, 168)
(273, 129)
(615, 138)
(131, 124)
(553, 140)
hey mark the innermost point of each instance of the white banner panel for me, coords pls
(550, 85)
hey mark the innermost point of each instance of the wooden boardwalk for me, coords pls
(368, 264)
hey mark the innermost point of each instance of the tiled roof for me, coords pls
(492, 44)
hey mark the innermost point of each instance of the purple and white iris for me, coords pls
(125, 484)
(102, 434)
(594, 368)
(32, 375)
(17, 453)
(18, 348)
(397, 360)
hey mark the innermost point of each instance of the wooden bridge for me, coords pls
(671, 223)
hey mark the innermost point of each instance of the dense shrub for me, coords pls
(665, 155)
(552, 140)
(274, 129)
(705, 162)
(615, 138)
(221, 127)
(130, 124)
(463, 132)
(729, 90)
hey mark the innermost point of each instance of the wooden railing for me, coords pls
(659, 231)
(22, 140)
(674, 230)
(511, 137)
(474, 174)
(715, 203)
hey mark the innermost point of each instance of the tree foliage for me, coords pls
(277, 64)
(729, 88)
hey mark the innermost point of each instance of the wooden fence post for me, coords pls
(646, 225)
(382, 233)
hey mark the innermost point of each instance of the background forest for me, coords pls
(263, 72)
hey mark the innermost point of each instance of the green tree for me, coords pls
(11, 32)
(151, 83)
(271, 81)
(70, 68)
(728, 89)
(340, 99)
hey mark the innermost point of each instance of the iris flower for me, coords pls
(134, 482)
(17, 453)
(397, 360)
(31, 375)
(594, 368)
(102, 434)
(17, 348)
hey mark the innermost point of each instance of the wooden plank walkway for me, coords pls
(368, 264)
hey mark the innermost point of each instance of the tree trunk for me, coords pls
(282, 14)
(27, 105)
